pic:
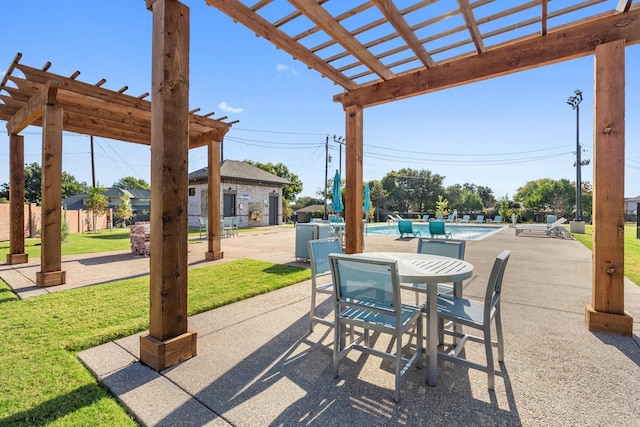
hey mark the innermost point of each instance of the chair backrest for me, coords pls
(405, 226)
(551, 219)
(556, 223)
(449, 247)
(319, 251)
(366, 283)
(227, 221)
(494, 286)
(235, 220)
(439, 217)
(480, 218)
(425, 217)
(436, 227)
(451, 217)
(498, 218)
(466, 217)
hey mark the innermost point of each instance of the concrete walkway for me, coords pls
(257, 364)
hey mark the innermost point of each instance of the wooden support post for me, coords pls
(354, 197)
(213, 203)
(16, 253)
(606, 312)
(168, 341)
(51, 273)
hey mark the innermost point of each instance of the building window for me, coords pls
(192, 191)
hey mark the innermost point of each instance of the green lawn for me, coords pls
(42, 382)
(631, 250)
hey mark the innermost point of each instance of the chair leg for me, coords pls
(398, 369)
(491, 372)
(338, 345)
(312, 312)
(499, 335)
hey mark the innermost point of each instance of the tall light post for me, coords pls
(574, 101)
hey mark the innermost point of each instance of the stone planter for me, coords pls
(576, 227)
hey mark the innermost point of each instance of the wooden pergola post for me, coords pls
(16, 253)
(214, 247)
(354, 197)
(169, 341)
(606, 312)
(51, 273)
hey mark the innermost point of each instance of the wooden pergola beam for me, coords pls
(560, 45)
(34, 107)
(264, 29)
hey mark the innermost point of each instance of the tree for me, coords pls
(33, 185)
(97, 203)
(131, 183)
(123, 211)
(442, 206)
(557, 196)
(289, 192)
(412, 190)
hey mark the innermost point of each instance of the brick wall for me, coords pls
(78, 221)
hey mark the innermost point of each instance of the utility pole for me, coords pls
(93, 164)
(326, 177)
(574, 102)
(340, 141)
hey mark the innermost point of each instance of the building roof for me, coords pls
(313, 208)
(233, 169)
(137, 198)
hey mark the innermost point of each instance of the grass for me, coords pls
(42, 382)
(116, 239)
(631, 250)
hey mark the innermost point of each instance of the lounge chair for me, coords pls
(439, 218)
(405, 226)
(466, 218)
(450, 218)
(552, 230)
(425, 218)
(479, 219)
(437, 228)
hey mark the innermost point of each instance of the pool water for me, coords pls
(462, 232)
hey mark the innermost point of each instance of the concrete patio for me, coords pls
(257, 364)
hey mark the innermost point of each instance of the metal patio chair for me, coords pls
(367, 296)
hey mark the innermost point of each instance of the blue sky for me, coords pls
(498, 133)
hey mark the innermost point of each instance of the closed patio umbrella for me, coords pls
(336, 204)
(367, 200)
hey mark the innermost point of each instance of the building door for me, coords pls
(273, 209)
(229, 205)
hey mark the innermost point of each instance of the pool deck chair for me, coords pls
(425, 218)
(405, 226)
(477, 315)
(479, 219)
(555, 229)
(367, 296)
(466, 218)
(319, 251)
(437, 228)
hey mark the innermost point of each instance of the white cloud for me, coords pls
(281, 68)
(228, 108)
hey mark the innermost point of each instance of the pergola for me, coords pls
(418, 54)
(379, 53)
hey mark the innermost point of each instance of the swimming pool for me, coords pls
(458, 231)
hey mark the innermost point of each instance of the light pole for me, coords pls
(574, 101)
(326, 176)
